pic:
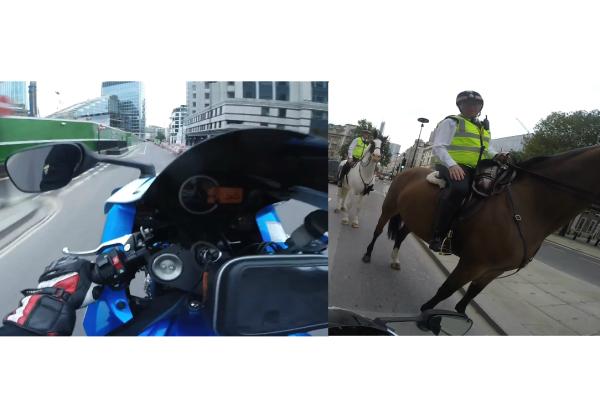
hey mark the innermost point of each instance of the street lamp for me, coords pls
(423, 121)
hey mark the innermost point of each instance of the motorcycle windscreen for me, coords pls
(271, 295)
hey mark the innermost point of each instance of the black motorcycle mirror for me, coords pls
(52, 166)
(271, 295)
(439, 322)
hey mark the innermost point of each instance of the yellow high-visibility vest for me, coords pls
(359, 149)
(466, 143)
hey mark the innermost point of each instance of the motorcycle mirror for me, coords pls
(44, 168)
(447, 323)
(271, 295)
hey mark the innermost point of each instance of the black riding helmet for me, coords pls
(468, 95)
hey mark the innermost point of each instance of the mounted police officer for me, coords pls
(355, 152)
(460, 141)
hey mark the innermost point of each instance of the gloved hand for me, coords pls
(502, 158)
(67, 284)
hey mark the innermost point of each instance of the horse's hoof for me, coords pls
(337, 210)
(344, 209)
(345, 222)
(354, 225)
(366, 258)
(395, 266)
(460, 310)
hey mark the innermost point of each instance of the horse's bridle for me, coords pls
(585, 194)
(361, 161)
(370, 154)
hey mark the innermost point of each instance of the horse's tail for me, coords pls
(394, 226)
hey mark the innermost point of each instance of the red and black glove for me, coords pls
(67, 284)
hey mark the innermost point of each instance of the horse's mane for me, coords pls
(532, 163)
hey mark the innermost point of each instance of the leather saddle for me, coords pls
(491, 177)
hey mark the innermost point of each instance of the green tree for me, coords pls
(160, 137)
(561, 131)
(385, 145)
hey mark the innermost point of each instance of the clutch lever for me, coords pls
(123, 241)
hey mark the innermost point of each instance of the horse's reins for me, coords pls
(584, 194)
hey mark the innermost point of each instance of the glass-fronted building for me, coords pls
(131, 103)
(103, 110)
(16, 91)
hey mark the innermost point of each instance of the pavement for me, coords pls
(539, 299)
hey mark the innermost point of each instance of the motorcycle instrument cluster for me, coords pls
(201, 194)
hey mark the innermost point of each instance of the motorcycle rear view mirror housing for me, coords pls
(271, 295)
(52, 166)
(439, 322)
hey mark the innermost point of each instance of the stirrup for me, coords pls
(446, 248)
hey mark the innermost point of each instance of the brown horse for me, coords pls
(547, 193)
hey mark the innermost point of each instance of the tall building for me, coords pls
(215, 107)
(175, 133)
(16, 91)
(414, 154)
(131, 103)
(33, 108)
(395, 158)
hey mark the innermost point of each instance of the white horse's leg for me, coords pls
(344, 204)
(395, 264)
(358, 205)
(340, 199)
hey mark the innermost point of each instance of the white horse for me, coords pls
(355, 182)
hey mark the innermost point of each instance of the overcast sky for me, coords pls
(526, 60)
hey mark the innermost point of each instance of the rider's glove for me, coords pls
(67, 284)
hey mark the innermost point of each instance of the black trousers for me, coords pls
(451, 198)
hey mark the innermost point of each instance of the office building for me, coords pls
(175, 133)
(16, 91)
(131, 104)
(215, 107)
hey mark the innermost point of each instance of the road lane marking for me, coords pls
(54, 207)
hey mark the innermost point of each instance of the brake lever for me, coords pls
(123, 241)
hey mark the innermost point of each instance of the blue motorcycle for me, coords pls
(231, 236)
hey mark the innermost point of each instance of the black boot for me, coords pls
(441, 222)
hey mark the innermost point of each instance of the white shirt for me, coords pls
(443, 135)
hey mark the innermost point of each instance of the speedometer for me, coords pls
(195, 194)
